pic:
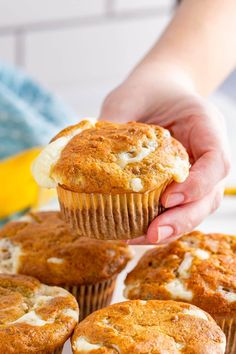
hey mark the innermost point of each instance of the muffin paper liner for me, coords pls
(92, 297)
(58, 350)
(110, 216)
(228, 326)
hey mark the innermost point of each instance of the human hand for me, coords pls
(198, 126)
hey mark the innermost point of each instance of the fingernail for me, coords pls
(174, 199)
(164, 232)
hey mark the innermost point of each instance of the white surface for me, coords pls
(222, 221)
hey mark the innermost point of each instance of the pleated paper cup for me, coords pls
(110, 216)
(57, 350)
(92, 297)
(228, 326)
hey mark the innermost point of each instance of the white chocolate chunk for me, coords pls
(43, 164)
(81, 343)
(185, 266)
(55, 260)
(227, 294)
(40, 300)
(110, 252)
(136, 184)
(129, 288)
(166, 133)
(33, 319)
(41, 297)
(212, 244)
(9, 256)
(124, 158)
(178, 290)
(52, 291)
(196, 313)
(201, 254)
(105, 321)
(179, 346)
(180, 169)
(71, 313)
(190, 242)
(222, 346)
(142, 302)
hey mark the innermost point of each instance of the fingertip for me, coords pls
(174, 199)
(158, 233)
(173, 189)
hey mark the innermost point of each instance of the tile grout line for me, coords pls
(109, 7)
(20, 48)
(109, 16)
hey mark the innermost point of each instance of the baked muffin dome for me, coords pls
(149, 327)
(34, 318)
(44, 246)
(198, 268)
(111, 158)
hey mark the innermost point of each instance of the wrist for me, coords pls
(162, 74)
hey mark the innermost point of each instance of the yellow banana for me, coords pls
(18, 190)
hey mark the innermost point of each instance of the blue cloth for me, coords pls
(29, 114)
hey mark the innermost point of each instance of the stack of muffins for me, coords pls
(110, 179)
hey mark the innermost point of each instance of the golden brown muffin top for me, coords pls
(148, 327)
(44, 246)
(111, 158)
(198, 268)
(34, 318)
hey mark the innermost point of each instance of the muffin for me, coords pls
(146, 327)
(43, 246)
(110, 177)
(34, 318)
(198, 268)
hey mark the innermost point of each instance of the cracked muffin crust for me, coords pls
(149, 327)
(43, 246)
(198, 268)
(34, 318)
(110, 177)
(111, 158)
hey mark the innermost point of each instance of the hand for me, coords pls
(198, 126)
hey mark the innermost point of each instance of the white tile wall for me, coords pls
(88, 54)
(121, 5)
(7, 49)
(81, 49)
(78, 48)
(83, 64)
(21, 12)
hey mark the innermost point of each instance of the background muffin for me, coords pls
(43, 246)
(110, 177)
(149, 327)
(199, 269)
(34, 318)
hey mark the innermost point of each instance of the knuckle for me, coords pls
(226, 165)
(196, 188)
(187, 226)
(217, 199)
(190, 224)
(108, 102)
